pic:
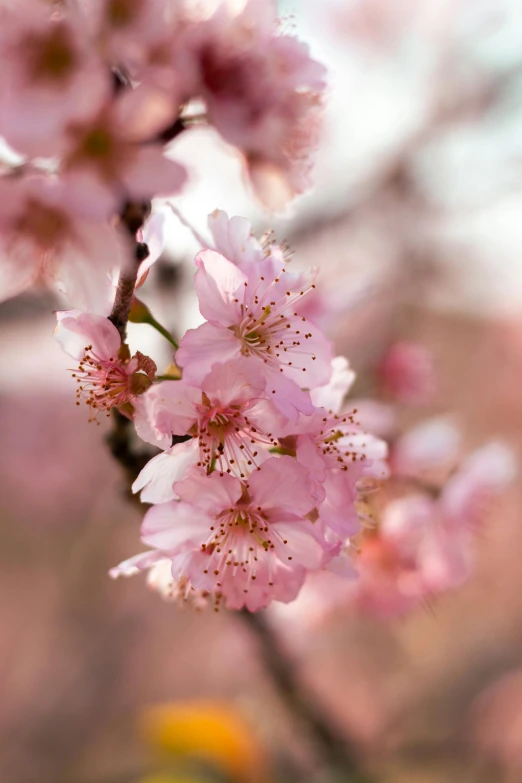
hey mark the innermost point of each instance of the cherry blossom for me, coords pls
(249, 542)
(51, 76)
(412, 557)
(48, 233)
(263, 93)
(424, 545)
(107, 376)
(228, 416)
(254, 314)
(113, 150)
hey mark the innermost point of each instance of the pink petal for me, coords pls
(281, 483)
(338, 511)
(331, 396)
(144, 111)
(171, 525)
(19, 269)
(286, 395)
(134, 565)
(220, 288)
(171, 406)
(76, 330)
(298, 541)
(233, 383)
(233, 238)
(154, 238)
(151, 174)
(203, 347)
(158, 477)
(211, 493)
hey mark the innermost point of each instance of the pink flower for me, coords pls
(432, 445)
(249, 543)
(480, 478)
(228, 417)
(50, 76)
(411, 558)
(338, 454)
(113, 150)
(254, 314)
(424, 545)
(263, 93)
(107, 376)
(336, 451)
(406, 373)
(47, 232)
(126, 29)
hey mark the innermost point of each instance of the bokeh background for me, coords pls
(416, 224)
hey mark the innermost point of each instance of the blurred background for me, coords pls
(416, 224)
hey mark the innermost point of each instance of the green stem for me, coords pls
(161, 329)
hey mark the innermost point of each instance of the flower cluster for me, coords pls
(263, 487)
(264, 475)
(90, 94)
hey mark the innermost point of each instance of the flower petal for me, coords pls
(158, 477)
(281, 483)
(220, 288)
(203, 347)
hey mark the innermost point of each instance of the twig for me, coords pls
(334, 748)
(132, 218)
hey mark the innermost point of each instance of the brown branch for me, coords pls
(335, 749)
(132, 218)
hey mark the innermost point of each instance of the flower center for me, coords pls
(110, 383)
(271, 329)
(46, 225)
(336, 444)
(122, 13)
(227, 439)
(52, 57)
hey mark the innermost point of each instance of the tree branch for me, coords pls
(334, 748)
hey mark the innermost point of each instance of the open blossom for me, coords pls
(48, 233)
(107, 376)
(337, 452)
(113, 150)
(228, 416)
(51, 76)
(415, 554)
(254, 314)
(424, 545)
(263, 93)
(250, 543)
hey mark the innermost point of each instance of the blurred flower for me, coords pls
(50, 230)
(51, 76)
(406, 373)
(432, 445)
(213, 732)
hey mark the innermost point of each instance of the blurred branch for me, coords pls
(334, 748)
(121, 443)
